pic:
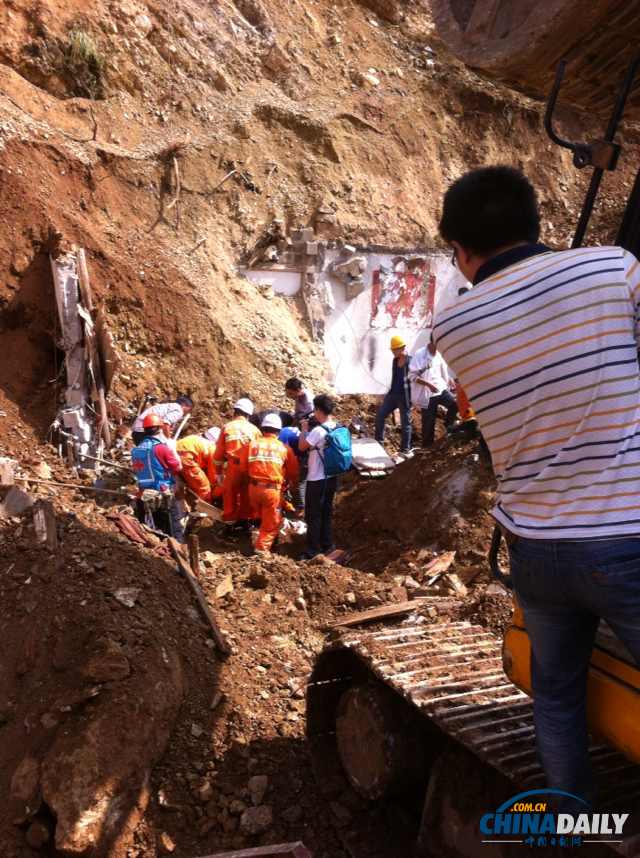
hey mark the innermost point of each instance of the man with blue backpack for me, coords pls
(329, 447)
(155, 466)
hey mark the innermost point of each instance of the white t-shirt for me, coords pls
(317, 440)
(168, 412)
(427, 367)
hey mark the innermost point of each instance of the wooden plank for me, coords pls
(83, 280)
(44, 522)
(109, 355)
(191, 579)
(194, 553)
(393, 610)
(282, 850)
(438, 566)
(457, 584)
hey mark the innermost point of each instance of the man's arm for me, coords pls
(303, 441)
(168, 459)
(195, 477)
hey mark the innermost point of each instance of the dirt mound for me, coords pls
(439, 500)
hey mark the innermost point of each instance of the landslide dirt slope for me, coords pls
(310, 103)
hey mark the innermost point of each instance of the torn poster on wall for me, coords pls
(369, 296)
(401, 296)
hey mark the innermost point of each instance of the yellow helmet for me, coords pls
(397, 342)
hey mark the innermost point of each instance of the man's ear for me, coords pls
(463, 255)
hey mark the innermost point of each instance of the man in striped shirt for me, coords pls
(546, 348)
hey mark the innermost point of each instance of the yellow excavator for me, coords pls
(419, 728)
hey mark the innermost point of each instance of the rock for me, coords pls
(224, 587)
(256, 820)
(204, 792)
(143, 25)
(208, 559)
(258, 580)
(237, 807)
(109, 754)
(43, 471)
(25, 780)
(350, 599)
(19, 263)
(258, 785)
(127, 596)
(15, 502)
(222, 85)
(37, 835)
(292, 814)
(398, 594)
(196, 730)
(109, 664)
(166, 843)
(49, 721)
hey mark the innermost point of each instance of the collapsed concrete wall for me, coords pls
(362, 298)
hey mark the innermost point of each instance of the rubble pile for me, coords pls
(106, 641)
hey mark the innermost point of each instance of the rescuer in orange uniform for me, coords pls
(197, 455)
(269, 465)
(235, 436)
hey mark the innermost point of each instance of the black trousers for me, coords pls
(429, 415)
(318, 513)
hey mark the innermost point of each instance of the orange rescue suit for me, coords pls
(236, 436)
(269, 465)
(198, 465)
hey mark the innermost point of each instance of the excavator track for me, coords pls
(451, 676)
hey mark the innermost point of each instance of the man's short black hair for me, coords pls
(293, 384)
(323, 402)
(490, 208)
(150, 431)
(185, 400)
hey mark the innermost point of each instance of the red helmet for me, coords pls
(151, 420)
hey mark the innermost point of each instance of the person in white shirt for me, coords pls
(169, 413)
(429, 379)
(320, 491)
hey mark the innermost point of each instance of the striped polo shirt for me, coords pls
(547, 352)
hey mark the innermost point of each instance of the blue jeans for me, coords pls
(564, 588)
(388, 406)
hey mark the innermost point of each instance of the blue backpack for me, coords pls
(336, 456)
(147, 469)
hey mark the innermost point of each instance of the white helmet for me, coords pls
(272, 421)
(244, 405)
(212, 434)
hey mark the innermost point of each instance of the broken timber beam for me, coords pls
(210, 511)
(194, 553)
(282, 850)
(394, 610)
(187, 574)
